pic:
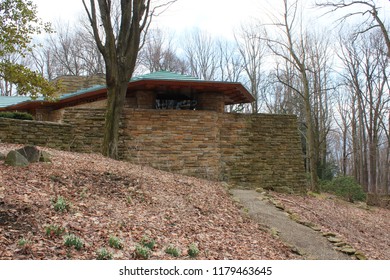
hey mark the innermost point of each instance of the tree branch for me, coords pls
(372, 10)
(93, 21)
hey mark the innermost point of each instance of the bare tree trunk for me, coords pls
(387, 169)
(356, 151)
(363, 148)
(345, 156)
(115, 103)
(310, 135)
(120, 50)
(295, 52)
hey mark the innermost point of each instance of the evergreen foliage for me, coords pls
(16, 115)
(345, 187)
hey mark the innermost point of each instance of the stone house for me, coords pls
(172, 122)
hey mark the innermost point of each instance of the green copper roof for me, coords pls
(164, 75)
(6, 101)
(82, 91)
(160, 75)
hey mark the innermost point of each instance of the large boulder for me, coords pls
(14, 158)
(31, 153)
(2, 156)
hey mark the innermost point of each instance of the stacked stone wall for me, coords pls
(46, 134)
(88, 128)
(185, 142)
(211, 101)
(245, 150)
(262, 150)
(74, 83)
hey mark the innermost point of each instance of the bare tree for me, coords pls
(279, 96)
(68, 51)
(231, 65)
(319, 63)
(252, 47)
(42, 60)
(291, 46)
(343, 123)
(366, 76)
(159, 53)
(201, 52)
(119, 49)
(385, 152)
(365, 8)
(7, 88)
(91, 58)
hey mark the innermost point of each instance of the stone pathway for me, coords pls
(311, 244)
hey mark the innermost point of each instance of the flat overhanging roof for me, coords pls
(162, 81)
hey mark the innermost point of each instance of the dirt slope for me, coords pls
(112, 198)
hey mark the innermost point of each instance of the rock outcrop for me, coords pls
(31, 153)
(26, 155)
(14, 158)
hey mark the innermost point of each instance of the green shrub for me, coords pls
(16, 115)
(193, 250)
(148, 242)
(25, 245)
(52, 230)
(61, 205)
(104, 254)
(23, 242)
(172, 250)
(115, 242)
(73, 240)
(345, 187)
(142, 252)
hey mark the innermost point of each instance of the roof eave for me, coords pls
(247, 97)
(243, 95)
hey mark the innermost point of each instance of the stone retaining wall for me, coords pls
(185, 142)
(88, 129)
(262, 150)
(46, 134)
(245, 150)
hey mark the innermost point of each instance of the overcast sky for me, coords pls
(219, 17)
(216, 16)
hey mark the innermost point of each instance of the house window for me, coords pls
(175, 101)
(175, 104)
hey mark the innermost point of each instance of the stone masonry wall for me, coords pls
(262, 150)
(88, 128)
(45, 134)
(211, 101)
(70, 83)
(185, 142)
(245, 150)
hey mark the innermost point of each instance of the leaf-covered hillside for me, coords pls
(103, 198)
